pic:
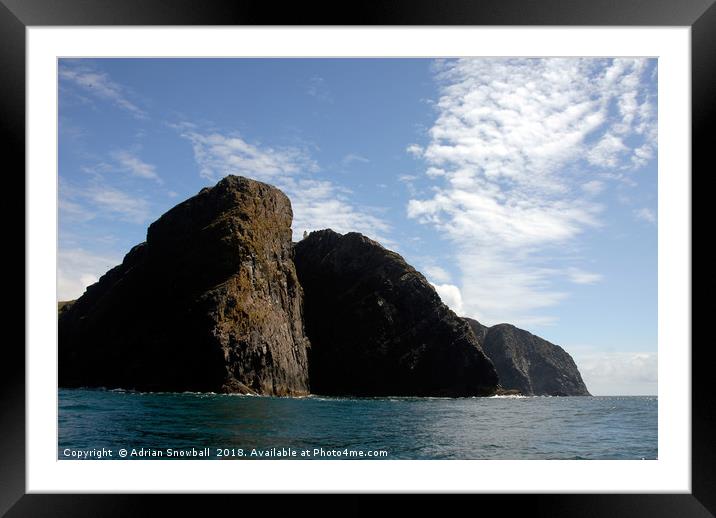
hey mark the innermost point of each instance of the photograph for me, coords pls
(357, 258)
(410, 249)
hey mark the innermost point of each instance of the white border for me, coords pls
(671, 472)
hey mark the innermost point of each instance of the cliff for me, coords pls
(210, 302)
(377, 327)
(528, 363)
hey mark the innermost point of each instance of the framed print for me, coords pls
(345, 255)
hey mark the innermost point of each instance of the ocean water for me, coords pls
(103, 424)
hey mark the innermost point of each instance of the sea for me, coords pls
(98, 424)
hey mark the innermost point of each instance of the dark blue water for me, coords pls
(244, 427)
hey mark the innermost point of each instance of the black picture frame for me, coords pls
(16, 15)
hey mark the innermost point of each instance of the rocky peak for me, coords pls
(528, 363)
(209, 302)
(377, 327)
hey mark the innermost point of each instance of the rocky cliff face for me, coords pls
(479, 330)
(377, 327)
(528, 363)
(210, 302)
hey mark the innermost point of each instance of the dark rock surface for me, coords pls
(210, 302)
(528, 363)
(377, 327)
(479, 330)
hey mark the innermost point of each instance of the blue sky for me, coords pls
(524, 189)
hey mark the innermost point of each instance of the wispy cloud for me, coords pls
(219, 155)
(113, 201)
(498, 287)
(317, 203)
(436, 273)
(78, 268)
(517, 152)
(100, 85)
(593, 187)
(645, 214)
(74, 211)
(409, 181)
(617, 373)
(608, 152)
(317, 88)
(130, 162)
(415, 150)
(351, 158)
(578, 276)
(85, 203)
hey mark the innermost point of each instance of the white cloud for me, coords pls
(436, 274)
(593, 187)
(132, 163)
(78, 268)
(645, 214)
(352, 157)
(434, 172)
(219, 155)
(100, 85)
(508, 154)
(113, 201)
(74, 211)
(317, 204)
(182, 126)
(316, 87)
(608, 152)
(451, 296)
(409, 181)
(498, 288)
(103, 200)
(415, 150)
(578, 276)
(642, 155)
(617, 373)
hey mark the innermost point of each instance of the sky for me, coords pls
(525, 190)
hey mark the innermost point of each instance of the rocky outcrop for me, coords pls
(64, 305)
(210, 302)
(479, 330)
(528, 363)
(377, 327)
